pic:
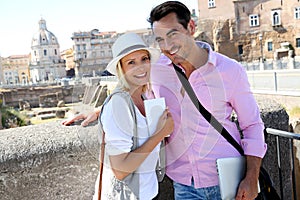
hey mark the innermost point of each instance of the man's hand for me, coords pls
(248, 189)
(70, 121)
(93, 116)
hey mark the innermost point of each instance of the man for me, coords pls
(222, 87)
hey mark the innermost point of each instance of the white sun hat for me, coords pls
(126, 44)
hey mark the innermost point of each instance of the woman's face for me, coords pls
(136, 68)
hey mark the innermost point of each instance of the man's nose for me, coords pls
(166, 44)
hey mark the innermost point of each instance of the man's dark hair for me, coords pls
(182, 12)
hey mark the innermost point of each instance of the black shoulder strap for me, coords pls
(205, 113)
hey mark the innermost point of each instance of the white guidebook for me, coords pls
(154, 108)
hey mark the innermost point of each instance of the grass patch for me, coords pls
(12, 118)
(294, 112)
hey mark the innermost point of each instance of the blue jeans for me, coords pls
(185, 192)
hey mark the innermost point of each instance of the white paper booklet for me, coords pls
(154, 108)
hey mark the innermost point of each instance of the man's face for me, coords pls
(173, 39)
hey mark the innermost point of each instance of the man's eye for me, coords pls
(172, 34)
(159, 40)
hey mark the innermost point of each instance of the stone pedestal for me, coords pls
(275, 116)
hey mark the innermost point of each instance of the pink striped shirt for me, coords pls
(222, 87)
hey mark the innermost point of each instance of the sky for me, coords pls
(19, 19)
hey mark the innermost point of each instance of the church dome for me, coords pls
(43, 36)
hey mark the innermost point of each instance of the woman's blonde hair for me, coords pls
(122, 83)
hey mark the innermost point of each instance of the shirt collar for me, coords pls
(211, 56)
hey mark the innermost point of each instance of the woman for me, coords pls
(131, 64)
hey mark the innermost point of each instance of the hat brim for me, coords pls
(112, 65)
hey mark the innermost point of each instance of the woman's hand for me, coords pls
(165, 124)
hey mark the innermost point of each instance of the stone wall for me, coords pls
(69, 94)
(48, 161)
(51, 161)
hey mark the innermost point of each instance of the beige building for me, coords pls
(68, 56)
(15, 70)
(1, 72)
(251, 29)
(92, 51)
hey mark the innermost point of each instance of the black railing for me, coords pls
(290, 137)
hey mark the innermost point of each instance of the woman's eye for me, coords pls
(130, 62)
(146, 58)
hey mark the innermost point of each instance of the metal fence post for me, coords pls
(275, 81)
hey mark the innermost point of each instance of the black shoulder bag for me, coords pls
(267, 190)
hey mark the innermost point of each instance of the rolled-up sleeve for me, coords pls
(248, 113)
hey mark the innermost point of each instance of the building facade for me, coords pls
(45, 61)
(92, 50)
(1, 72)
(251, 29)
(15, 70)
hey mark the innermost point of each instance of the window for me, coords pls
(102, 53)
(211, 4)
(240, 47)
(298, 42)
(297, 13)
(253, 20)
(55, 51)
(45, 52)
(78, 47)
(270, 46)
(84, 47)
(276, 18)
